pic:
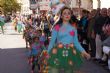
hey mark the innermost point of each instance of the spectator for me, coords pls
(100, 21)
(90, 32)
(106, 43)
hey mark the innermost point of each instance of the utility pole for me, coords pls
(79, 7)
(71, 4)
(38, 6)
(91, 1)
(99, 3)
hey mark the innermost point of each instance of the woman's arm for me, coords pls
(76, 42)
(53, 39)
(79, 47)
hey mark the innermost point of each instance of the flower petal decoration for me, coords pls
(72, 33)
(57, 27)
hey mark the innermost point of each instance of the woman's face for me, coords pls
(108, 12)
(66, 15)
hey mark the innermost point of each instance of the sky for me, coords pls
(104, 4)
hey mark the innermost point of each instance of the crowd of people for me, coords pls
(93, 32)
(62, 40)
(98, 32)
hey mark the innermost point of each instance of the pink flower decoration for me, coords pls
(57, 27)
(72, 33)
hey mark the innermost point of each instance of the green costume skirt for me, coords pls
(2, 23)
(65, 58)
(19, 27)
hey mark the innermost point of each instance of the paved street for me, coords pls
(13, 58)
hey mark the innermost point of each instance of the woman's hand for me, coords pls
(85, 55)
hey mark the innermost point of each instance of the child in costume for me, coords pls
(43, 56)
(19, 25)
(36, 50)
(65, 52)
(43, 61)
(2, 22)
(26, 35)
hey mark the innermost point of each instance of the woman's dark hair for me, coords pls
(60, 20)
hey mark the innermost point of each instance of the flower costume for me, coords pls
(64, 48)
(36, 48)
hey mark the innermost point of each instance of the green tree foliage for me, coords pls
(9, 6)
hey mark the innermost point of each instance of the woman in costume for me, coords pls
(65, 52)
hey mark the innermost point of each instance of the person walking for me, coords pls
(2, 22)
(65, 51)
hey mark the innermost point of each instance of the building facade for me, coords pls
(85, 4)
(44, 5)
(25, 7)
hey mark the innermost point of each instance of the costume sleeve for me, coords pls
(76, 42)
(53, 39)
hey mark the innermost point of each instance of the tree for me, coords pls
(9, 6)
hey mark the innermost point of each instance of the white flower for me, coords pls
(65, 53)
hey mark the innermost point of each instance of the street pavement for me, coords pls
(13, 55)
